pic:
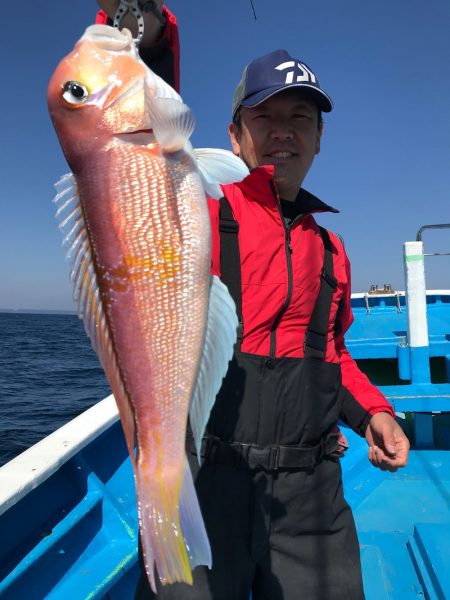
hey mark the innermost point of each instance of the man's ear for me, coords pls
(235, 137)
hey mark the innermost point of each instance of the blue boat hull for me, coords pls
(78, 531)
(77, 534)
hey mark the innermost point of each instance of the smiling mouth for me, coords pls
(281, 154)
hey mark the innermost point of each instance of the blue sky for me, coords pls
(385, 159)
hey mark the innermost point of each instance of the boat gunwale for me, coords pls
(35, 465)
(382, 294)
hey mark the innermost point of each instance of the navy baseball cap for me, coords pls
(272, 73)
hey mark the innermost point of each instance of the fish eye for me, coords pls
(74, 92)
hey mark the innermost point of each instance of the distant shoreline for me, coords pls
(37, 311)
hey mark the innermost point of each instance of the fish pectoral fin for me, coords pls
(218, 166)
(171, 120)
(217, 352)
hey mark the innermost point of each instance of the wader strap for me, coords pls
(230, 262)
(269, 458)
(317, 332)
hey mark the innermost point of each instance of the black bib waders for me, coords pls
(270, 486)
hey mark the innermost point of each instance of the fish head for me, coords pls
(97, 92)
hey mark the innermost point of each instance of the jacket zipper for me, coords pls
(288, 252)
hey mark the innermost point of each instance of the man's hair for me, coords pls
(237, 119)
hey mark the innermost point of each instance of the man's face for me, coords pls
(282, 131)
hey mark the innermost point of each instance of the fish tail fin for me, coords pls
(172, 531)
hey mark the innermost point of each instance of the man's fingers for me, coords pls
(401, 456)
(388, 445)
(388, 438)
(382, 461)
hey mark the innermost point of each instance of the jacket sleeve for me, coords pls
(164, 57)
(360, 399)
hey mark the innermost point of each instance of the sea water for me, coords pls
(49, 374)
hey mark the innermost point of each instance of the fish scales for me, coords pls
(155, 285)
(156, 288)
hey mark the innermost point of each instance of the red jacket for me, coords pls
(264, 269)
(265, 281)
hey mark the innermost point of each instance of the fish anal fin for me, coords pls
(192, 524)
(220, 338)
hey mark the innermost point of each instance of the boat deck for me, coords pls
(76, 536)
(403, 522)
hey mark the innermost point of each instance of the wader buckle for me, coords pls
(259, 457)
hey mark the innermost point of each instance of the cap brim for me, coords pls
(322, 100)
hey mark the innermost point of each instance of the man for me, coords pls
(270, 485)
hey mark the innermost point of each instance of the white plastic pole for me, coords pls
(416, 302)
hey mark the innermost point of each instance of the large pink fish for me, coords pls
(135, 218)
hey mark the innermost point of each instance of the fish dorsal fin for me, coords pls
(220, 338)
(86, 294)
(218, 166)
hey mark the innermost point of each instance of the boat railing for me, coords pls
(385, 291)
(436, 226)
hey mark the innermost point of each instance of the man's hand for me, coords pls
(388, 445)
(152, 27)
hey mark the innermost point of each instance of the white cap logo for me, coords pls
(305, 73)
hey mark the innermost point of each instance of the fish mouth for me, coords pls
(139, 137)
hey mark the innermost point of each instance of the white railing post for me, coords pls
(419, 354)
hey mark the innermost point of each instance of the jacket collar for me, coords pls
(260, 186)
(312, 204)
